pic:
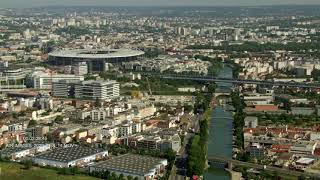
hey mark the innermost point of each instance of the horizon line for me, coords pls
(173, 5)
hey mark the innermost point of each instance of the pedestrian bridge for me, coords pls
(222, 117)
(215, 95)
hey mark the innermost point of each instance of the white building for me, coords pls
(42, 80)
(103, 90)
(100, 114)
(251, 122)
(125, 130)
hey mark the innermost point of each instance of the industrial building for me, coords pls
(22, 150)
(70, 156)
(142, 167)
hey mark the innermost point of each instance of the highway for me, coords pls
(234, 80)
(243, 81)
(260, 167)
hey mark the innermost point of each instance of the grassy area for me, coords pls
(14, 171)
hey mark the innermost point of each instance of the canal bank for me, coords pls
(220, 135)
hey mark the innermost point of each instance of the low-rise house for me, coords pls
(3, 128)
(251, 122)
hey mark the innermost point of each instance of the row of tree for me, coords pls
(199, 145)
(111, 176)
(238, 119)
(196, 157)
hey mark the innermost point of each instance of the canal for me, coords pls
(220, 137)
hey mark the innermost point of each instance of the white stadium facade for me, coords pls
(96, 59)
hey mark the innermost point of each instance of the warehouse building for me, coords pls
(142, 167)
(70, 156)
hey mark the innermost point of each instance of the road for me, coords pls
(196, 77)
(179, 171)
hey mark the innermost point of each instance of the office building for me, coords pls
(64, 88)
(102, 90)
(41, 80)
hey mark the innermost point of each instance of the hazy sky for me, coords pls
(32, 3)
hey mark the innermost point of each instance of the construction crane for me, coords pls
(51, 83)
(150, 92)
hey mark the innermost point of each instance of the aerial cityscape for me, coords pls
(167, 91)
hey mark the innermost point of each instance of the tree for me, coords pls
(170, 155)
(74, 170)
(22, 113)
(68, 171)
(121, 177)
(196, 158)
(27, 164)
(58, 119)
(105, 174)
(32, 123)
(187, 108)
(97, 102)
(14, 115)
(50, 137)
(212, 88)
(113, 176)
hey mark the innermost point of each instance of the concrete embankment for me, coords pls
(235, 175)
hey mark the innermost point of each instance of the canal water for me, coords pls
(220, 137)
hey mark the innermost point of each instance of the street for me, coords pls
(179, 171)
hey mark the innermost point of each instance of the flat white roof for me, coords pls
(305, 160)
(96, 53)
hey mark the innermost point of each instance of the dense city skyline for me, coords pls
(36, 3)
(146, 89)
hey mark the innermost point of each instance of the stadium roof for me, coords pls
(96, 53)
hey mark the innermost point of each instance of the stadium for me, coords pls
(96, 59)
